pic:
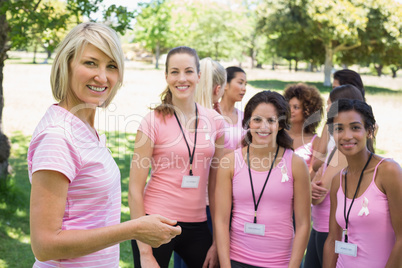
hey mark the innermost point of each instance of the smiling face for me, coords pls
(92, 77)
(264, 125)
(349, 132)
(182, 76)
(236, 88)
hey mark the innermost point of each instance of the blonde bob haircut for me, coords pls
(212, 75)
(100, 36)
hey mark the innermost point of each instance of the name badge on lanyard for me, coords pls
(346, 248)
(190, 181)
(254, 228)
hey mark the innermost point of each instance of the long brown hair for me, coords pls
(166, 108)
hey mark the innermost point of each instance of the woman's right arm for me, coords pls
(223, 207)
(139, 171)
(335, 231)
(321, 183)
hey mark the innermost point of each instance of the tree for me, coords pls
(335, 24)
(218, 30)
(21, 22)
(153, 27)
(382, 38)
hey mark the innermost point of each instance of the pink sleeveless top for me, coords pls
(306, 151)
(234, 132)
(320, 212)
(274, 210)
(369, 227)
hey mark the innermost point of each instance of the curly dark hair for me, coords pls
(344, 105)
(311, 101)
(282, 108)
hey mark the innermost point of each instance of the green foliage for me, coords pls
(381, 39)
(214, 29)
(153, 27)
(355, 31)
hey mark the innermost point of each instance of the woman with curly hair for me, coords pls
(306, 107)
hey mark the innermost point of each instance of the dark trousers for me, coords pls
(192, 246)
(236, 264)
(178, 261)
(315, 249)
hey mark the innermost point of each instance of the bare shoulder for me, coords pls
(227, 161)
(298, 161)
(389, 173)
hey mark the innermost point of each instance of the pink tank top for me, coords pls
(234, 132)
(274, 210)
(320, 212)
(306, 151)
(369, 227)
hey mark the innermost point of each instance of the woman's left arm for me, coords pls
(302, 206)
(390, 175)
(211, 259)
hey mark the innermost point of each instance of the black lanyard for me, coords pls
(251, 180)
(353, 200)
(191, 155)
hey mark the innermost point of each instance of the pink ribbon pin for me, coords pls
(364, 209)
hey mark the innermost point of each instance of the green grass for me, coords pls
(279, 85)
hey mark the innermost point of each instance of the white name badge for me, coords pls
(346, 248)
(254, 228)
(190, 181)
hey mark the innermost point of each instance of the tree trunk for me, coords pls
(34, 55)
(296, 65)
(290, 65)
(378, 68)
(252, 58)
(158, 51)
(216, 50)
(273, 65)
(4, 30)
(4, 143)
(329, 52)
(394, 70)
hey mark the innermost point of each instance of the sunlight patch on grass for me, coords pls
(17, 235)
(125, 209)
(3, 264)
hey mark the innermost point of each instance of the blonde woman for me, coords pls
(75, 196)
(212, 83)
